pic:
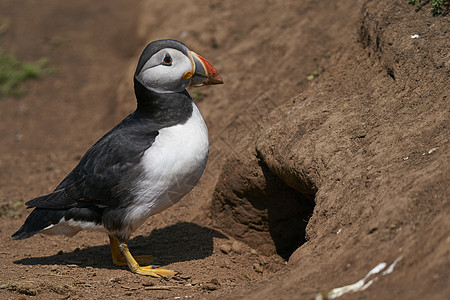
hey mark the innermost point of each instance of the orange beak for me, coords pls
(204, 72)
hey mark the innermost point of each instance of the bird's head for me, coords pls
(168, 66)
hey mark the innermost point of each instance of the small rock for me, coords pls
(236, 246)
(257, 267)
(196, 282)
(209, 286)
(225, 248)
(212, 285)
(225, 264)
(264, 259)
(185, 277)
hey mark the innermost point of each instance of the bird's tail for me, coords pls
(39, 219)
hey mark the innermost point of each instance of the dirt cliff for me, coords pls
(369, 143)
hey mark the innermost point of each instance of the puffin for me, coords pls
(142, 166)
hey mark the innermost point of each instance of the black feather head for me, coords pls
(156, 46)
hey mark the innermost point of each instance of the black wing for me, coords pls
(101, 176)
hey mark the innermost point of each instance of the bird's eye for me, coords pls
(167, 60)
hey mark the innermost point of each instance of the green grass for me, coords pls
(313, 75)
(13, 72)
(11, 210)
(437, 6)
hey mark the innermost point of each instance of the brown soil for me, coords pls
(310, 184)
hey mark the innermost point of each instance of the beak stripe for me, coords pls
(191, 58)
(187, 75)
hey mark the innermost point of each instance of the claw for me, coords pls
(155, 272)
(121, 256)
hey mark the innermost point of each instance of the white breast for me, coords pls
(172, 167)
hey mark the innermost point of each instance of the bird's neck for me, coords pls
(164, 108)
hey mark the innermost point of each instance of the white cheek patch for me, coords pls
(163, 78)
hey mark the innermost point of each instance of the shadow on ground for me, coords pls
(176, 243)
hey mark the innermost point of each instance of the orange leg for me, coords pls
(121, 256)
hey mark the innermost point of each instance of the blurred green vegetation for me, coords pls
(313, 75)
(437, 6)
(11, 210)
(13, 71)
